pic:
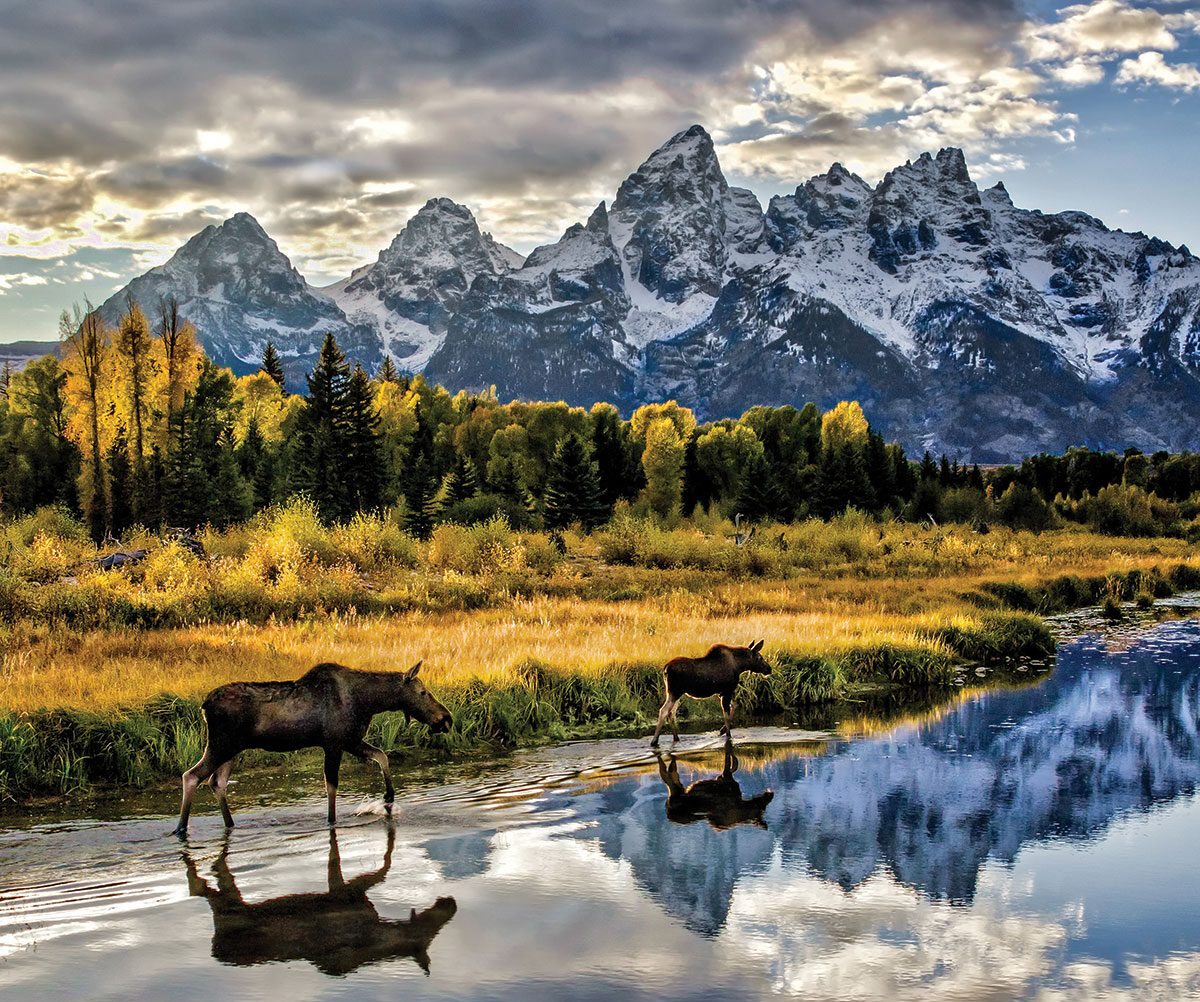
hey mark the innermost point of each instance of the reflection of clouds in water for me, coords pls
(886, 941)
(1173, 977)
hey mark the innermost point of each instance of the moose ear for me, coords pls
(757, 647)
(412, 672)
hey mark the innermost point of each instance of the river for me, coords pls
(1033, 843)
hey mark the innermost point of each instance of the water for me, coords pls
(1038, 843)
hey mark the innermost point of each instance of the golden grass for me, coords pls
(104, 669)
(837, 587)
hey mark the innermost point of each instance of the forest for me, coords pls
(135, 427)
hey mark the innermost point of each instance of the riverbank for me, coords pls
(902, 611)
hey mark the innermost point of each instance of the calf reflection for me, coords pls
(337, 932)
(719, 800)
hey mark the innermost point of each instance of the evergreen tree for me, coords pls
(323, 430)
(880, 471)
(271, 364)
(461, 482)
(616, 455)
(120, 484)
(928, 469)
(945, 475)
(6, 375)
(841, 480)
(387, 371)
(364, 473)
(573, 488)
(758, 497)
(231, 498)
(418, 479)
(257, 463)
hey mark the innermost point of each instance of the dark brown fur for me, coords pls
(715, 674)
(337, 932)
(329, 707)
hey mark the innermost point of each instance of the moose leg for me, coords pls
(366, 751)
(727, 711)
(218, 781)
(333, 764)
(664, 713)
(192, 779)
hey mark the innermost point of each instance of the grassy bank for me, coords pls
(103, 673)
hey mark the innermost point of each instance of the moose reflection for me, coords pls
(337, 932)
(719, 801)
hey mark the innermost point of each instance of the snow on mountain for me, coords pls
(240, 291)
(961, 322)
(409, 294)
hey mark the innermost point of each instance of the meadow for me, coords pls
(525, 636)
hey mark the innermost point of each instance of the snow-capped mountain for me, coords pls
(419, 282)
(240, 291)
(961, 322)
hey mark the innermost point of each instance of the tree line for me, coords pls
(136, 426)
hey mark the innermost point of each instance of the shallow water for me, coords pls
(1038, 843)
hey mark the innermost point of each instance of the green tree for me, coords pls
(323, 430)
(387, 371)
(573, 490)
(362, 457)
(271, 364)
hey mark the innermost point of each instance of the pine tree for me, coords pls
(387, 371)
(418, 479)
(271, 364)
(120, 484)
(928, 469)
(758, 497)
(364, 473)
(461, 482)
(880, 471)
(323, 429)
(573, 490)
(6, 375)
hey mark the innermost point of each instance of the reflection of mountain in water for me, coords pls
(1108, 733)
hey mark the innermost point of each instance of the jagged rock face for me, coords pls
(240, 291)
(671, 213)
(421, 280)
(961, 322)
(548, 329)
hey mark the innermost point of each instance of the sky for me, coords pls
(128, 125)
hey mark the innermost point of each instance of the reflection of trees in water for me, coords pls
(1104, 735)
(337, 931)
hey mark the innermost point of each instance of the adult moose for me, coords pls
(715, 674)
(328, 707)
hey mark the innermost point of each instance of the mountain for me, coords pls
(420, 281)
(240, 291)
(961, 322)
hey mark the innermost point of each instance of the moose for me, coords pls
(715, 674)
(328, 707)
(718, 800)
(337, 932)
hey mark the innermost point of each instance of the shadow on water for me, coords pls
(337, 931)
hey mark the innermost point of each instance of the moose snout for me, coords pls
(442, 724)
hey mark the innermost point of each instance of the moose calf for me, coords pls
(715, 674)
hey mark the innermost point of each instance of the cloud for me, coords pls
(1105, 27)
(132, 123)
(1152, 68)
